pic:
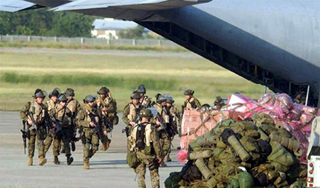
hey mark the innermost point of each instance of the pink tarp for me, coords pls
(293, 117)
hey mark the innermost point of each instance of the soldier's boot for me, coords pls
(42, 161)
(108, 144)
(163, 164)
(103, 148)
(73, 146)
(168, 158)
(30, 161)
(69, 159)
(56, 160)
(86, 165)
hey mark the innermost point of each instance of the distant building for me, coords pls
(109, 28)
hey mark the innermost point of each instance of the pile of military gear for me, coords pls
(249, 153)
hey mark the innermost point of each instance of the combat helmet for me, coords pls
(145, 112)
(89, 98)
(39, 93)
(170, 100)
(141, 89)
(55, 92)
(62, 98)
(205, 107)
(189, 92)
(161, 98)
(135, 95)
(69, 92)
(103, 90)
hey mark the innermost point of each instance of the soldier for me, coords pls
(145, 101)
(174, 117)
(161, 123)
(62, 119)
(108, 108)
(34, 113)
(218, 103)
(191, 102)
(130, 114)
(51, 104)
(74, 106)
(144, 141)
(93, 128)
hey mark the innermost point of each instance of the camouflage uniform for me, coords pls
(145, 101)
(148, 155)
(191, 103)
(91, 144)
(40, 113)
(174, 117)
(74, 106)
(109, 116)
(130, 113)
(51, 110)
(64, 117)
(163, 137)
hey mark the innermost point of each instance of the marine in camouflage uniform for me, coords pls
(165, 143)
(39, 112)
(174, 117)
(63, 116)
(147, 149)
(89, 117)
(108, 108)
(51, 104)
(145, 101)
(130, 114)
(191, 102)
(74, 106)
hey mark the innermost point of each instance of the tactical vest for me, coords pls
(89, 110)
(145, 101)
(190, 104)
(38, 111)
(72, 106)
(107, 102)
(51, 105)
(162, 112)
(62, 115)
(140, 136)
(133, 112)
(173, 113)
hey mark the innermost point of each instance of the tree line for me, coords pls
(42, 22)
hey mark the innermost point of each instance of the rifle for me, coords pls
(57, 126)
(34, 123)
(97, 127)
(24, 136)
(163, 125)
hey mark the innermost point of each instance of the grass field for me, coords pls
(22, 73)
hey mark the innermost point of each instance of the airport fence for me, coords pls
(93, 41)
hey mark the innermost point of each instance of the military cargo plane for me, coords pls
(274, 43)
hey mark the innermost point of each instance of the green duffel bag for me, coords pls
(245, 180)
(132, 159)
(233, 183)
(280, 155)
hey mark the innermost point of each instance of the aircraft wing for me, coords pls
(127, 4)
(15, 5)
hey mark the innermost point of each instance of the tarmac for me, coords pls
(107, 168)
